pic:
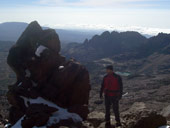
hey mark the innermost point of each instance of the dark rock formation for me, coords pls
(105, 45)
(121, 46)
(49, 90)
(144, 119)
(37, 115)
(22, 54)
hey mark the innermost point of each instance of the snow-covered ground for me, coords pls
(61, 114)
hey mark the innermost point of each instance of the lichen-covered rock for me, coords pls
(47, 85)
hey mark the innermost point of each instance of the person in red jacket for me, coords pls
(112, 87)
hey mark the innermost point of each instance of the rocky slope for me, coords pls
(135, 117)
(159, 44)
(7, 77)
(145, 68)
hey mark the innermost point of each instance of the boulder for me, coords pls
(22, 54)
(140, 117)
(166, 112)
(97, 119)
(37, 115)
(144, 119)
(49, 90)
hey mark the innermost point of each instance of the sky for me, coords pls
(147, 16)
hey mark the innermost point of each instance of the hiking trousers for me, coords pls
(111, 101)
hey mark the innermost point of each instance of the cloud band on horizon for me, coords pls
(107, 3)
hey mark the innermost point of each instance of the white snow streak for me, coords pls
(40, 49)
(61, 67)
(61, 114)
(164, 127)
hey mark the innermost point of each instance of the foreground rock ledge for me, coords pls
(138, 116)
(49, 91)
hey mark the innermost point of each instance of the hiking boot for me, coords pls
(108, 124)
(118, 124)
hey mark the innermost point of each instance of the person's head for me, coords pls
(109, 69)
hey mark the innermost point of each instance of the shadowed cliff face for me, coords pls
(123, 45)
(105, 45)
(49, 90)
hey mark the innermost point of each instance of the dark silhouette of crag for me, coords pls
(47, 85)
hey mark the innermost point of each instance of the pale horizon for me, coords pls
(145, 16)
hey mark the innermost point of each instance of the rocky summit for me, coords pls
(52, 92)
(49, 91)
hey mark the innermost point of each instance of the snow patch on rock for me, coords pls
(165, 126)
(20, 84)
(40, 49)
(61, 67)
(7, 125)
(18, 123)
(61, 114)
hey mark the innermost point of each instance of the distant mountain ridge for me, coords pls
(10, 31)
(106, 45)
(159, 43)
(109, 44)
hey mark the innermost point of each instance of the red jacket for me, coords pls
(112, 85)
